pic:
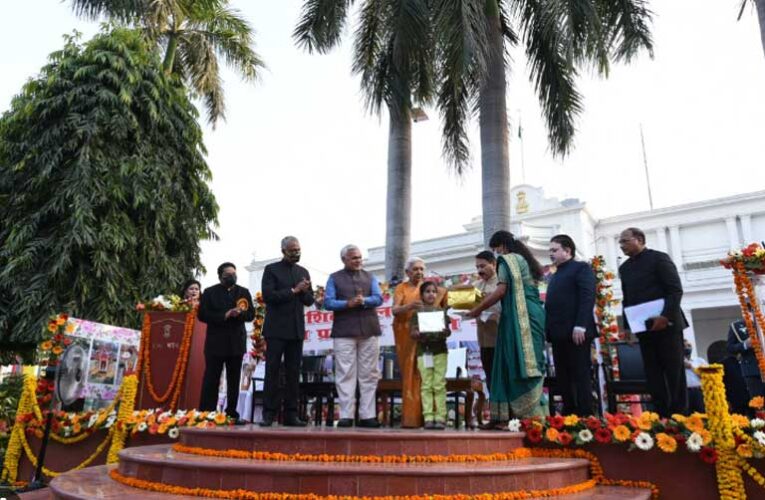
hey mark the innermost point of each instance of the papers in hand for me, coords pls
(430, 322)
(639, 313)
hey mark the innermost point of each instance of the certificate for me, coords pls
(429, 322)
(639, 313)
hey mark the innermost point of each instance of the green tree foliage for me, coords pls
(103, 187)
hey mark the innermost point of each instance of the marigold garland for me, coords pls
(730, 482)
(175, 386)
(250, 495)
(746, 297)
(129, 389)
(13, 452)
(33, 459)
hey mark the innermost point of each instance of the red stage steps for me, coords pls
(161, 464)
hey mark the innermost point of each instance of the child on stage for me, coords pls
(430, 327)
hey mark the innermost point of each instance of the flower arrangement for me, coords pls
(258, 352)
(51, 347)
(608, 327)
(644, 433)
(747, 298)
(168, 303)
(752, 258)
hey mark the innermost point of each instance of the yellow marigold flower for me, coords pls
(46, 346)
(666, 443)
(571, 420)
(757, 402)
(622, 433)
(52, 327)
(740, 421)
(651, 416)
(678, 418)
(201, 425)
(220, 418)
(744, 450)
(60, 320)
(694, 423)
(69, 327)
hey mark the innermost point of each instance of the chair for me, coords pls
(631, 379)
(313, 384)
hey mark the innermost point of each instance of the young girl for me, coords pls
(432, 355)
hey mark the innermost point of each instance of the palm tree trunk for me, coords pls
(495, 154)
(172, 46)
(399, 197)
(760, 4)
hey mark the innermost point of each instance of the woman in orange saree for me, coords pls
(406, 302)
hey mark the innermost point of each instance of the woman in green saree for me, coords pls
(519, 363)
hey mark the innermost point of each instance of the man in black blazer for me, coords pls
(225, 308)
(570, 325)
(286, 291)
(646, 276)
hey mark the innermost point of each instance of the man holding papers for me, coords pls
(652, 291)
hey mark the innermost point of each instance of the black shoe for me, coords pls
(294, 422)
(239, 421)
(345, 422)
(370, 423)
(267, 422)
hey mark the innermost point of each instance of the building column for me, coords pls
(746, 228)
(661, 239)
(676, 246)
(733, 239)
(611, 253)
(689, 333)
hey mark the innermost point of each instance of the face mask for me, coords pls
(228, 281)
(688, 352)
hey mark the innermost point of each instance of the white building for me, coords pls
(695, 235)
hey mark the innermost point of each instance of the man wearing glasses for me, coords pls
(286, 288)
(647, 276)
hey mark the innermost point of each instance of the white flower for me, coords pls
(760, 437)
(180, 414)
(212, 415)
(67, 431)
(93, 420)
(173, 433)
(694, 442)
(585, 435)
(644, 441)
(142, 426)
(514, 425)
(110, 421)
(757, 423)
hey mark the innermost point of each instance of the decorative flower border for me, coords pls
(608, 328)
(596, 471)
(747, 298)
(258, 351)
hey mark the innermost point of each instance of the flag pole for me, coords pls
(645, 166)
(520, 137)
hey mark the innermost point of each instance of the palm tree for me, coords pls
(194, 35)
(559, 38)
(393, 54)
(760, 6)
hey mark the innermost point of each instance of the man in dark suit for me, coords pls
(646, 276)
(740, 345)
(286, 291)
(225, 308)
(570, 325)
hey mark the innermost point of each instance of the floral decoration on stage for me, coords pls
(743, 262)
(167, 303)
(646, 432)
(258, 352)
(52, 345)
(608, 328)
(752, 257)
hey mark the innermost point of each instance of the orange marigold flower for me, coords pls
(52, 327)
(757, 402)
(621, 433)
(46, 346)
(220, 418)
(744, 450)
(739, 420)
